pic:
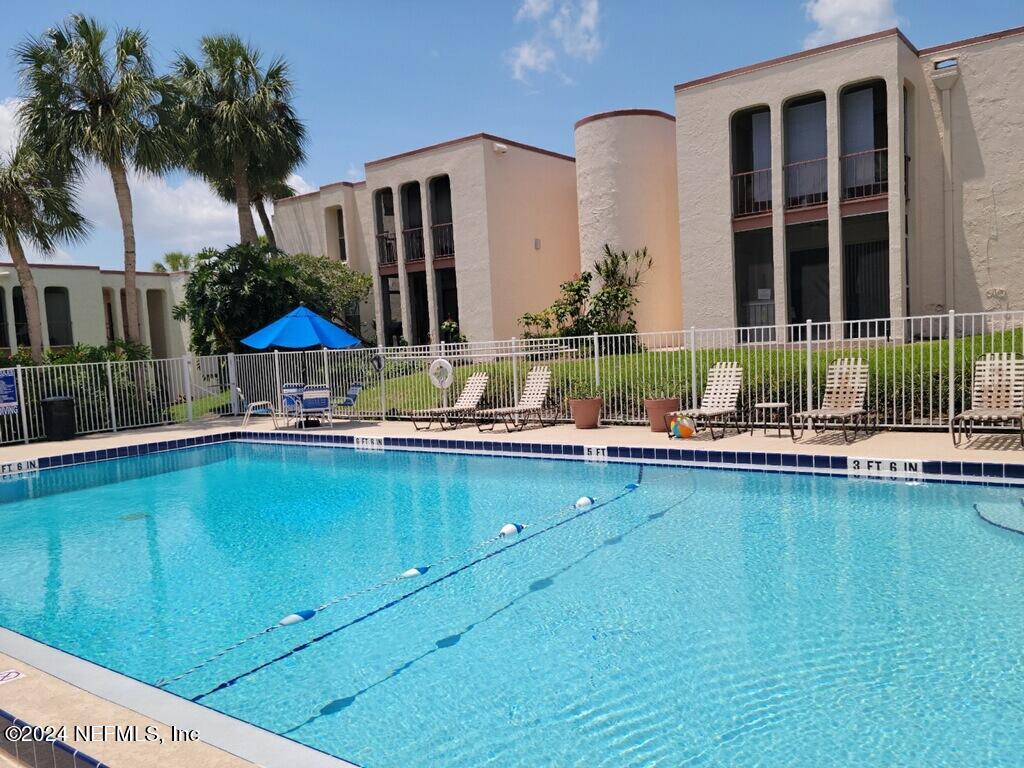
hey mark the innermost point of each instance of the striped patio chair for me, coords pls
(719, 403)
(466, 404)
(530, 405)
(997, 396)
(843, 404)
(315, 404)
(344, 407)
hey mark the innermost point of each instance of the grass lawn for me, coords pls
(201, 406)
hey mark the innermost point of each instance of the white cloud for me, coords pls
(534, 9)
(529, 56)
(575, 26)
(570, 30)
(299, 184)
(8, 127)
(842, 19)
(180, 215)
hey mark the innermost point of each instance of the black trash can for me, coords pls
(59, 418)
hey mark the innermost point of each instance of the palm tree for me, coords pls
(37, 206)
(93, 103)
(236, 117)
(262, 191)
(174, 261)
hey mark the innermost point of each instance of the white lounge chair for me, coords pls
(842, 403)
(997, 396)
(466, 404)
(256, 408)
(718, 404)
(530, 405)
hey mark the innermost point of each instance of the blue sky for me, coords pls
(376, 78)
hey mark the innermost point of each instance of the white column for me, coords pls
(428, 261)
(115, 309)
(12, 336)
(44, 323)
(403, 280)
(836, 309)
(899, 299)
(779, 260)
(144, 333)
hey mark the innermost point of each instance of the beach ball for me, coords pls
(682, 426)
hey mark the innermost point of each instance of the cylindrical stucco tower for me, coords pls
(626, 189)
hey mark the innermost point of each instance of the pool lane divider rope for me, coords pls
(509, 529)
(1004, 524)
(580, 511)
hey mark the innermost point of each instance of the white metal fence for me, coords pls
(920, 368)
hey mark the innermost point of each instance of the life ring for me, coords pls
(440, 373)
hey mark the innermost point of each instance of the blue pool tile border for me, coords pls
(42, 754)
(986, 473)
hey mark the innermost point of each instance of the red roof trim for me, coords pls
(623, 113)
(972, 41)
(465, 139)
(797, 56)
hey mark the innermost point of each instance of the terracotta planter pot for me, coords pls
(656, 408)
(586, 413)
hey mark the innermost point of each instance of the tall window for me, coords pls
(58, 316)
(20, 318)
(3, 320)
(342, 253)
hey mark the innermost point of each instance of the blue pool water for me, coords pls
(707, 618)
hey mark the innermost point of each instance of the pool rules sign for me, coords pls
(8, 392)
(886, 468)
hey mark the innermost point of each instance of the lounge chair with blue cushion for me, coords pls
(256, 408)
(345, 406)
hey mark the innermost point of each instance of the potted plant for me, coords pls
(585, 404)
(663, 399)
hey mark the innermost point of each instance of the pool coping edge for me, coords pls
(232, 735)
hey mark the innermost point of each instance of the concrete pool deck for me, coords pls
(927, 446)
(73, 692)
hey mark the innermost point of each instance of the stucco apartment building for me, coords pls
(866, 179)
(475, 231)
(85, 305)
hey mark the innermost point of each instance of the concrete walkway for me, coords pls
(927, 446)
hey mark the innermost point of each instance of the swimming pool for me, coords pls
(705, 618)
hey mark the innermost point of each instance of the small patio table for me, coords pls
(771, 412)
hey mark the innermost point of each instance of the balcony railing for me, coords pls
(757, 313)
(387, 252)
(752, 192)
(443, 236)
(806, 183)
(413, 239)
(865, 174)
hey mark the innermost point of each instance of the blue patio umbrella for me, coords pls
(301, 329)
